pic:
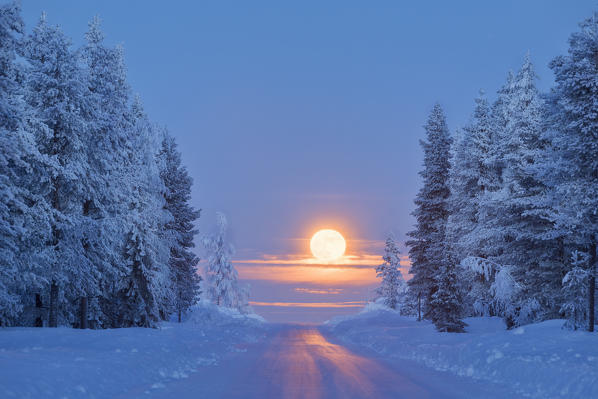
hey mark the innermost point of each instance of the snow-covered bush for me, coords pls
(393, 287)
(221, 284)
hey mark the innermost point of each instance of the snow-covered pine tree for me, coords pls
(486, 236)
(427, 245)
(574, 137)
(139, 305)
(485, 240)
(108, 150)
(469, 176)
(524, 231)
(56, 91)
(499, 117)
(447, 301)
(145, 292)
(12, 152)
(513, 228)
(24, 215)
(393, 287)
(108, 119)
(221, 276)
(183, 262)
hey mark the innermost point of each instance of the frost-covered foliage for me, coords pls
(494, 290)
(393, 287)
(428, 241)
(88, 219)
(221, 282)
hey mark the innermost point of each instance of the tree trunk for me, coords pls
(179, 315)
(419, 307)
(53, 313)
(592, 287)
(38, 310)
(83, 313)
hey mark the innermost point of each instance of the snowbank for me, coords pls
(540, 360)
(369, 309)
(57, 363)
(206, 313)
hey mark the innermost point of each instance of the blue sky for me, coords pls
(293, 116)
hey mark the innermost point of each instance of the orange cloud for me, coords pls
(348, 270)
(323, 291)
(351, 304)
(338, 275)
(345, 260)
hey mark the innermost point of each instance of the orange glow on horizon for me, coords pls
(345, 260)
(350, 304)
(350, 269)
(323, 291)
(326, 275)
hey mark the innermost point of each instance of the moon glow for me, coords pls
(327, 245)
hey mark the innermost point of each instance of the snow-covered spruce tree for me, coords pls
(428, 241)
(485, 240)
(24, 223)
(486, 237)
(221, 276)
(574, 137)
(108, 150)
(183, 262)
(56, 91)
(468, 179)
(145, 293)
(575, 290)
(138, 306)
(470, 175)
(447, 301)
(499, 117)
(524, 230)
(393, 286)
(513, 229)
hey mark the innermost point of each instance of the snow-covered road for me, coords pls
(300, 362)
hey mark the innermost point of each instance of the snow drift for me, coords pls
(64, 362)
(540, 360)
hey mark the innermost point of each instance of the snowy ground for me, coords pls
(128, 362)
(375, 354)
(540, 360)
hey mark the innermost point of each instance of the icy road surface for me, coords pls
(300, 362)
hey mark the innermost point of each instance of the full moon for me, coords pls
(327, 245)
